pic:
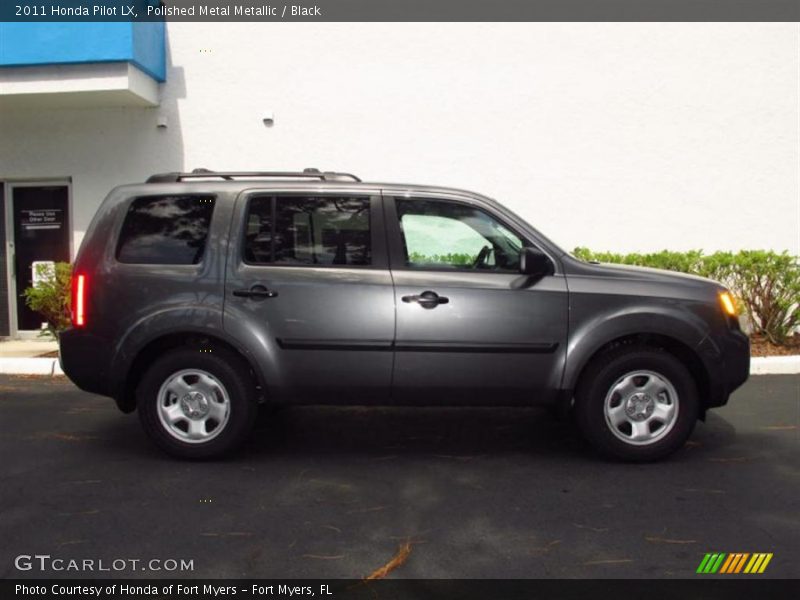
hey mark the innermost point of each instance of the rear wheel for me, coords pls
(197, 404)
(636, 403)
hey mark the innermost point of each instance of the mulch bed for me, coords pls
(760, 346)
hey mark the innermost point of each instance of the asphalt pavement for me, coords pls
(335, 492)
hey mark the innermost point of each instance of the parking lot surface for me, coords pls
(334, 492)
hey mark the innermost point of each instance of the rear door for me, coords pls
(470, 328)
(308, 278)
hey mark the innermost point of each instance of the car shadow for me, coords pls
(715, 431)
(381, 431)
(459, 433)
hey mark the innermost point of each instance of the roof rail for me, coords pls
(231, 175)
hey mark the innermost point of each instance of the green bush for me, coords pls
(765, 283)
(456, 260)
(51, 297)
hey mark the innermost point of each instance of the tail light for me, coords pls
(79, 294)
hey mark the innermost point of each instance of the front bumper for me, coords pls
(727, 358)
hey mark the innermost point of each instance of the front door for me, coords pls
(310, 280)
(40, 216)
(470, 328)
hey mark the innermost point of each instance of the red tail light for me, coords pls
(79, 294)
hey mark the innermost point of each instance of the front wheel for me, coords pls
(637, 404)
(197, 404)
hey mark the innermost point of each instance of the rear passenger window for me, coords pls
(308, 230)
(165, 230)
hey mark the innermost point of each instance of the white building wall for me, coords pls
(629, 137)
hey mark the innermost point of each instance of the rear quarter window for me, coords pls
(165, 230)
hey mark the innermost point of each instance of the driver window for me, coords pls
(438, 234)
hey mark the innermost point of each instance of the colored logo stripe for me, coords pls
(711, 563)
(736, 563)
(727, 564)
(758, 563)
(720, 562)
(740, 564)
(703, 563)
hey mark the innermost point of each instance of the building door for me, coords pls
(5, 295)
(40, 217)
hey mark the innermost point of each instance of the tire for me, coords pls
(198, 404)
(636, 403)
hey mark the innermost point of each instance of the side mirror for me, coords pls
(534, 263)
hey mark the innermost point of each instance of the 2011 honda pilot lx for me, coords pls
(198, 296)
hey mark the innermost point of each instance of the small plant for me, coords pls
(766, 283)
(50, 297)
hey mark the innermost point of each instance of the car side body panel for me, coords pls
(609, 303)
(130, 305)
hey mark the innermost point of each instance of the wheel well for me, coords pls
(126, 399)
(676, 348)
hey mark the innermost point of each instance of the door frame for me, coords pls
(9, 186)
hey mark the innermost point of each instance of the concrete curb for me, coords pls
(759, 365)
(30, 366)
(775, 365)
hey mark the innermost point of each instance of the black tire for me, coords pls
(604, 372)
(233, 377)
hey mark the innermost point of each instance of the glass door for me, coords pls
(41, 232)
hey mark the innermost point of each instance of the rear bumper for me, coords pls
(86, 360)
(727, 359)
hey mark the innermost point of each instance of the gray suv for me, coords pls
(198, 297)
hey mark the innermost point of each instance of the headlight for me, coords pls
(728, 306)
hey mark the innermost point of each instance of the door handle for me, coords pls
(259, 292)
(427, 299)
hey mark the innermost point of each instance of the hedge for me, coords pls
(765, 283)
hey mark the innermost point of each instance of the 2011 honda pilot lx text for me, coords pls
(199, 296)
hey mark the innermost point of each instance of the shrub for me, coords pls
(455, 259)
(685, 262)
(766, 283)
(768, 286)
(51, 297)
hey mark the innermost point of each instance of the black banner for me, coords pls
(401, 10)
(396, 589)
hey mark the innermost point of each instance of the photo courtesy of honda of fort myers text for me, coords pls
(399, 299)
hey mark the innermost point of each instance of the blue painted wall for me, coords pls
(38, 44)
